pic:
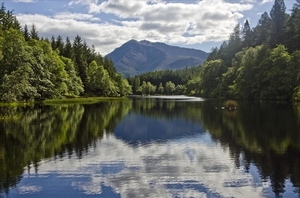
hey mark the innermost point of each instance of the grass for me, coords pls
(81, 100)
(15, 104)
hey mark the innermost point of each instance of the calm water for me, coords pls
(150, 148)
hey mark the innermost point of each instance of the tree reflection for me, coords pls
(262, 134)
(30, 134)
(265, 134)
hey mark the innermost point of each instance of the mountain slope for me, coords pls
(135, 57)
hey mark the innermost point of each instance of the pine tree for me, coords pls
(278, 17)
(262, 30)
(247, 36)
(80, 60)
(26, 33)
(34, 33)
(68, 50)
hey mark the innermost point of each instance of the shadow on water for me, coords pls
(261, 134)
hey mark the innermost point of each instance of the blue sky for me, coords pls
(107, 24)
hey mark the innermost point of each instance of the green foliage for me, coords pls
(147, 88)
(99, 81)
(254, 64)
(37, 69)
(170, 88)
(211, 77)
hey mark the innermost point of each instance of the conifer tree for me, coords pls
(278, 17)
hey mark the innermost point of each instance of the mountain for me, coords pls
(136, 57)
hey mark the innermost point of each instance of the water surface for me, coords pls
(150, 148)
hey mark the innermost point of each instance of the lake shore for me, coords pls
(79, 100)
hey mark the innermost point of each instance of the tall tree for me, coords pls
(278, 17)
(26, 33)
(80, 60)
(263, 30)
(293, 29)
(68, 50)
(59, 44)
(247, 36)
(34, 33)
(8, 20)
(109, 66)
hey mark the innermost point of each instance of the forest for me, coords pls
(33, 68)
(262, 63)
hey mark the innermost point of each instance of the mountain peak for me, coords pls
(136, 57)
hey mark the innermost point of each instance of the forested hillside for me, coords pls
(262, 62)
(34, 68)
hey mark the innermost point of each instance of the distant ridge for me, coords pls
(136, 57)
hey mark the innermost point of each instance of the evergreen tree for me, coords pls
(278, 17)
(263, 30)
(53, 43)
(247, 36)
(68, 50)
(80, 60)
(34, 33)
(59, 44)
(293, 29)
(26, 33)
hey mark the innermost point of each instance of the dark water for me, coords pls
(150, 148)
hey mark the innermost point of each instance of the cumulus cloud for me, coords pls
(154, 20)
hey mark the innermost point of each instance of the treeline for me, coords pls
(163, 82)
(255, 63)
(34, 68)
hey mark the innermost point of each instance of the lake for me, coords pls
(149, 147)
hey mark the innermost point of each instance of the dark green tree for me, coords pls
(34, 33)
(211, 78)
(68, 50)
(247, 35)
(80, 60)
(26, 33)
(263, 30)
(59, 44)
(279, 19)
(292, 34)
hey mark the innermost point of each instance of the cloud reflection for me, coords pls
(176, 168)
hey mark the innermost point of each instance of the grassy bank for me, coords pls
(81, 100)
(15, 104)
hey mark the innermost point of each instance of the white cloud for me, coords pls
(75, 16)
(156, 20)
(266, 1)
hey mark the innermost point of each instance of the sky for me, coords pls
(107, 24)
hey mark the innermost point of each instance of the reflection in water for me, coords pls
(189, 167)
(30, 134)
(151, 148)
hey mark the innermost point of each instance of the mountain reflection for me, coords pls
(155, 147)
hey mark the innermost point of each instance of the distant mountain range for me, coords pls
(136, 57)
